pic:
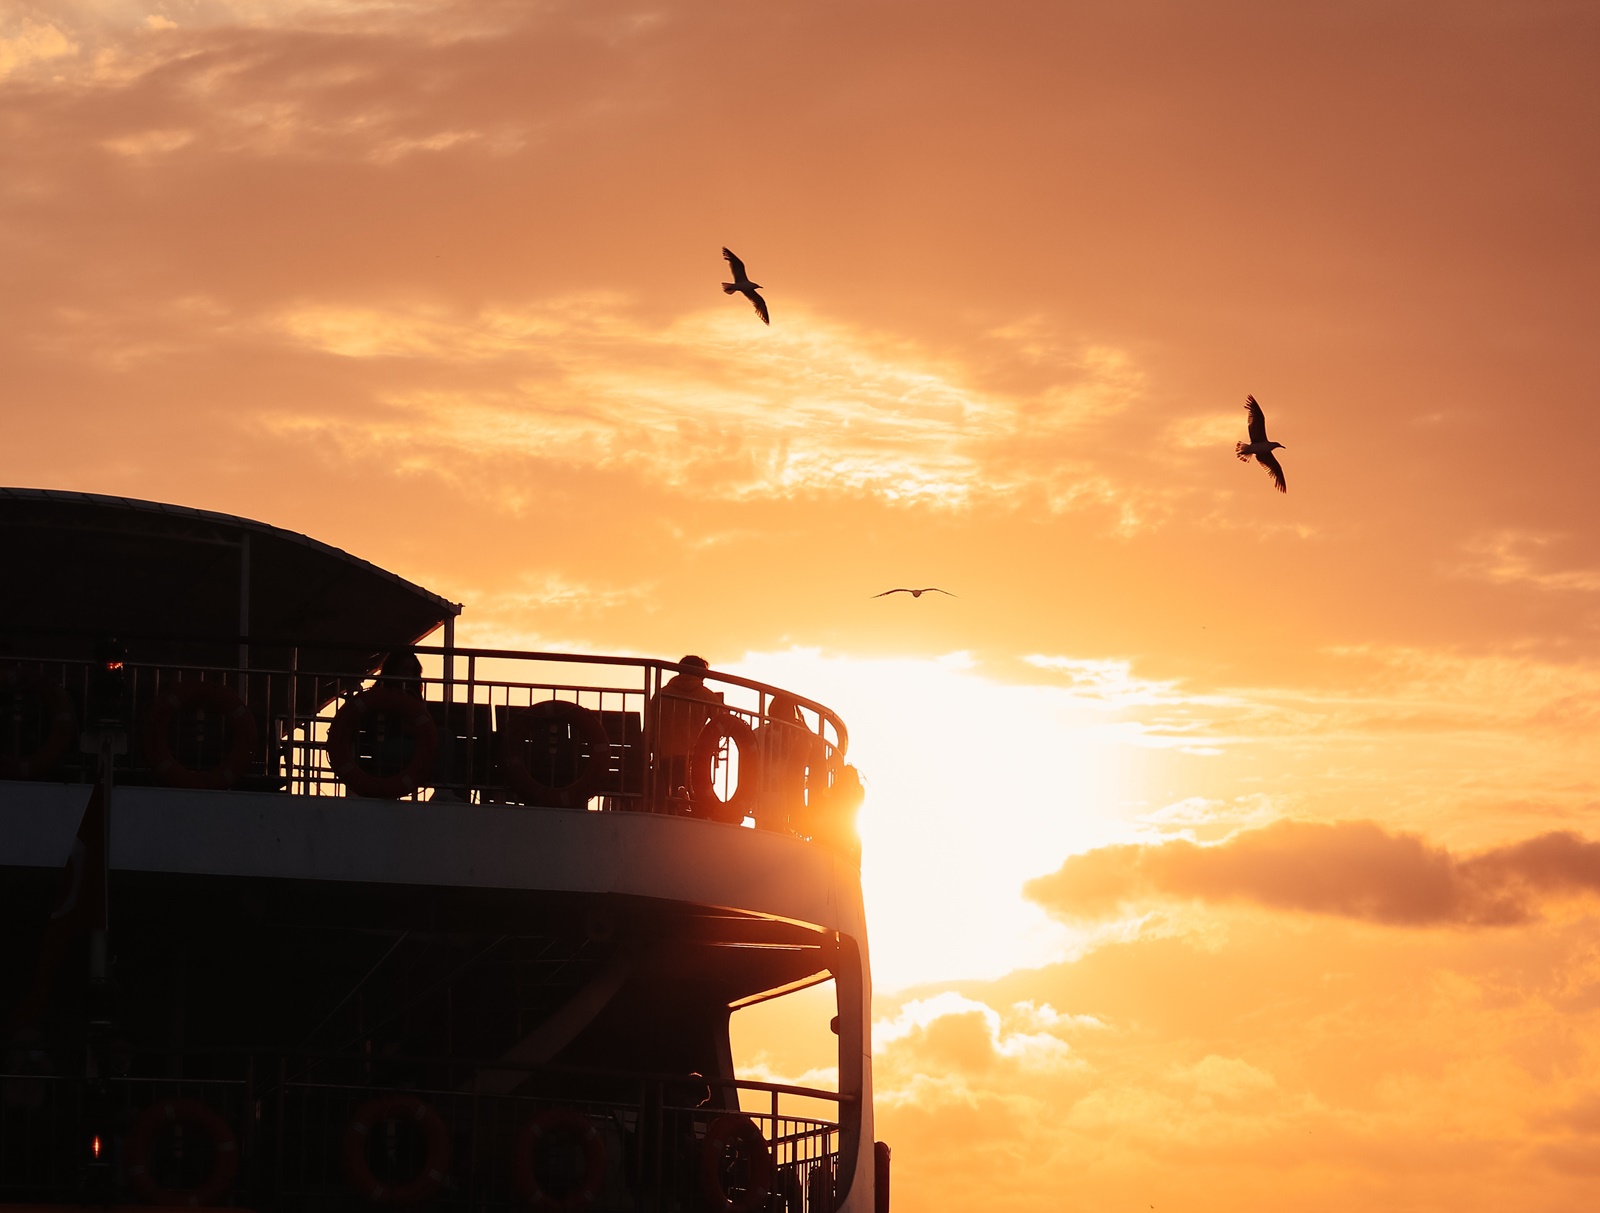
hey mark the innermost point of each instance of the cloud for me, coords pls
(1507, 556)
(948, 1046)
(1298, 1065)
(1352, 869)
(30, 43)
(712, 405)
(707, 404)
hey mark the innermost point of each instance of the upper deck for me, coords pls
(483, 728)
(221, 654)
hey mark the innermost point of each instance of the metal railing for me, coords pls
(474, 725)
(74, 1138)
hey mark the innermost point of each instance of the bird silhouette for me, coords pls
(1259, 446)
(927, 589)
(742, 285)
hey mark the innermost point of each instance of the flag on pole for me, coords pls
(80, 906)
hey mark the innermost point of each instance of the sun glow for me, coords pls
(973, 787)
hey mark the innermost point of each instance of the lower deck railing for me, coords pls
(282, 1142)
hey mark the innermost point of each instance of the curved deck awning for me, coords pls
(168, 578)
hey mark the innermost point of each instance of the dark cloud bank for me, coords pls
(1352, 869)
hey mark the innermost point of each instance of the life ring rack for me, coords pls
(224, 1152)
(525, 1161)
(63, 725)
(415, 723)
(217, 697)
(702, 758)
(573, 795)
(436, 1141)
(740, 1131)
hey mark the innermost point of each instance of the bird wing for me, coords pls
(1269, 461)
(886, 593)
(739, 276)
(937, 590)
(1258, 422)
(761, 306)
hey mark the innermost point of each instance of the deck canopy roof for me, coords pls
(169, 580)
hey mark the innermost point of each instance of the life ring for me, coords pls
(742, 1132)
(552, 713)
(525, 1161)
(217, 697)
(224, 1153)
(436, 1163)
(415, 722)
(63, 725)
(702, 787)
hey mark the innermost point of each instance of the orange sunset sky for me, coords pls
(1224, 850)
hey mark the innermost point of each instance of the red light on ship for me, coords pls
(95, 1146)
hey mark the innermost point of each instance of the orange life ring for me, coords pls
(435, 1166)
(224, 1153)
(218, 697)
(740, 1131)
(702, 787)
(524, 1161)
(417, 724)
(574, 795)
(63, 725)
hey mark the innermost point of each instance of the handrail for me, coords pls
(466, 1063)
(698, 1080)
(609, 659)
(788, 750)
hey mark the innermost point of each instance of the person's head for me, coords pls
(783, 708)
(697, 666)
(403, 666)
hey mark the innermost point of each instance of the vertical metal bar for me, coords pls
(247, 1121)
(474, 1143)
(658, 1094)
(244, 600)
(475, 778)
(652, 707)
(277, 1128)
(294, 688)
(449, 657)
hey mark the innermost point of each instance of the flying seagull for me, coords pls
(1259, 446)
(927, 589)
(742, 285)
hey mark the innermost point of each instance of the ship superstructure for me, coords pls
(299, 911)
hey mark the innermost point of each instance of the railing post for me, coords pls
(277, 1127)
(449, 659)
(475, 778)
(247, 1124)
(293, 704)
(652, 688)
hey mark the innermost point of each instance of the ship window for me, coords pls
(789, 1040)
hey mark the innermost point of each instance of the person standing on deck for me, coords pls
(682, 708)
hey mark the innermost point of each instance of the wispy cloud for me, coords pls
(1352, 869)
(707, 404)
(1507, 556)
(30, 43)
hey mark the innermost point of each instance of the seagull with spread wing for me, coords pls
(1259, 446)
(742, 285)
(927, 589)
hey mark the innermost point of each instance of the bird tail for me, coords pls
(1238, 449)
(728, 288)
